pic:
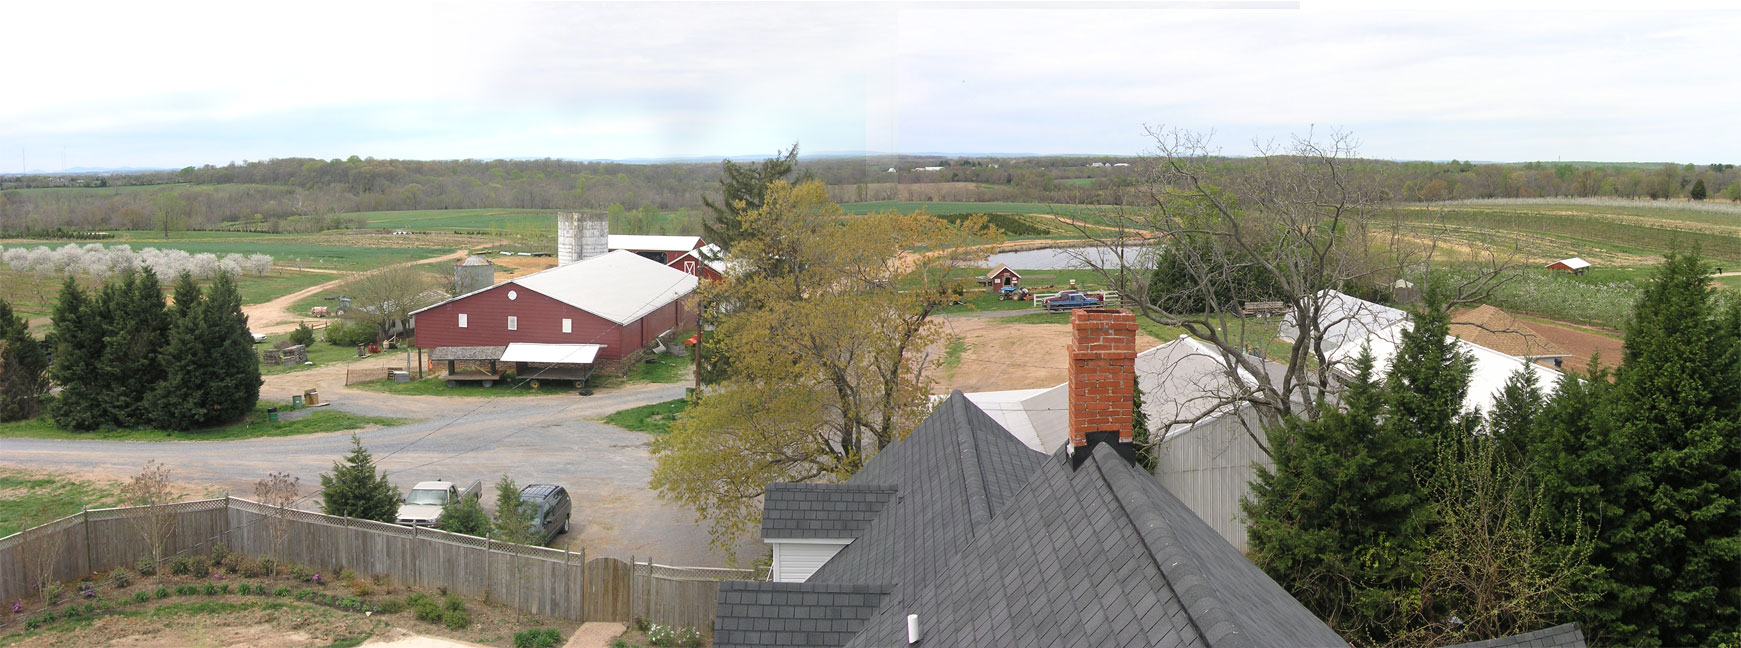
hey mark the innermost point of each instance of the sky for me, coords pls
(169, 84)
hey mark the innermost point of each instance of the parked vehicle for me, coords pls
(258, 337)
(553, 511)
(422, 504)
(1072, 299)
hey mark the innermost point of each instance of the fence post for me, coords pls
(85, 522)
(487, 568)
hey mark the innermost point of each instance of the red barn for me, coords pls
(702, 262)
(1573, 265)
(620, 300)
(663, 249)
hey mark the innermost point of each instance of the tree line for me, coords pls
(1401, 519)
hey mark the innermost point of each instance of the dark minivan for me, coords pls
(552, 508)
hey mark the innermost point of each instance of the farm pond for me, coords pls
(1067, 258)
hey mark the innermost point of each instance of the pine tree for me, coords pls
(1675, 542)
(179, 400)
(1139, 425)
(23, 368)
(1571, 463)
(741, 191)
(354, 488)
(465, 515)
(513, 522)
(1698, 191)
(234, 384)
(1516, 411)
(134, 334)
(78, 334)
(1428, 379)
(1337, 521)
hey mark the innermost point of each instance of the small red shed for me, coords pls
(999, 277)
(620, 300)
(1573, 265)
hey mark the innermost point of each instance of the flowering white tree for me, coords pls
(98, 261)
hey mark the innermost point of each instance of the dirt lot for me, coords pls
(1580, 341)
(1003, 356)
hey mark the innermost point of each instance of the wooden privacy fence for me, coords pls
(549, 582)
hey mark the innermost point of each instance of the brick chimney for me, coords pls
(1102, 379)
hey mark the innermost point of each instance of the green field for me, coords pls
(43, 497)
(652, 419)
(1090, 213)
(1633, 233)
(98, 191)
(255, 425)
(531, 223)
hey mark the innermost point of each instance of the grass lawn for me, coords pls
(256, 425)
(664, 369)
(46, 496)
(1088, 213)
(652, 419)
(953, 351)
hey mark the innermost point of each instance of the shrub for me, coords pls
(71, 612)
(454, 603)
(186, 590)
(209, 590)
(219, 552)
(343, 333)
(353, 603)
(281, 591)
(303, 335)
(346, 575)
(181, 566)
(32, 624)
(390, 606)
(52, 592)
(426, 610)
(664, 636)
(538, 638)
(145, 567)
(200, 566)
(244, 589)
(162, 593)
(233, 562)
(121, 578)
(141, 596)
(255, 568)
(456, 619)
(301, 573)
(361, 587)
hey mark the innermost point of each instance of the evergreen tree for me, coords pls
(354, 488)
(1337, 521)
(465, 515)
(1428, 379)
(178, 400)
(1698, 191)
(1675, 542)
(513, 522)
(23, 368)
(1139, 426)
(1516, 411)
(234, 385)
(1572, 465)
(78, 334)
(134, 334)
(741, 191)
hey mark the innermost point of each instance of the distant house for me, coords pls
(928, 168)
(1495, 329)
(620, 300)
(1573, 265)
(663, 249)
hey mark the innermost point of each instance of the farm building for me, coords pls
(1495, 329)
(663, 249)
(1573, 265)
(619, 300)
(998, 277)
(703, 262)
(958, 535)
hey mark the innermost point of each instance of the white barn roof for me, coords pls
(618, 286)
(651, 243)
(1345, 319)
(1486, 381)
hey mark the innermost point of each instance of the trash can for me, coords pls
(272, 414)
(311, 398)
(296, 402)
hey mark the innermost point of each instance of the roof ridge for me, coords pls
(1190, 586)
(973, 475)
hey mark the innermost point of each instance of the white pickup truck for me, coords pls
(422, 505)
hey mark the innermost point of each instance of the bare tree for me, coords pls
(41, 544)
(277, 492)
(386, 297)
(151, 488)
(1220, 240)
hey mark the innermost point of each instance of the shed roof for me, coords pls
(475, 260)
(1573, 263)
(1001, 268)
(551, 353)
(1498, 330)
(652, 243)
(1569, 635)
(467, 353)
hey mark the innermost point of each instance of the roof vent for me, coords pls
(912, 629)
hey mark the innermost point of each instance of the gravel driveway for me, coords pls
(534, 439)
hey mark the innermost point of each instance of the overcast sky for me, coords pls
(168, 84)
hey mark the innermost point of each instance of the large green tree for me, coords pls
(23, 368)
(742, 190)
(210, 373)
(514, 521)
(134, 334)
(355, 489)
(1428, 380)
(78, 337)
(1673, 543)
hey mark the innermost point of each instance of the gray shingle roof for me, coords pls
(1569, 635)
(792, 614)
(821, 510)
(991, 543)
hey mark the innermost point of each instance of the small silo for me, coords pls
(472, 274)
(581, 235)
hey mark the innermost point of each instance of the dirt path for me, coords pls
(275, 316)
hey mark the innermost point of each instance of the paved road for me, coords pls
(553, 439)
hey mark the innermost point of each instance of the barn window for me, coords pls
(513, 323)
(689, 267)
(567, 325)
(462, 320)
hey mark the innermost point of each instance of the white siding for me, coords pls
(794, 562)
(1209, 468)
